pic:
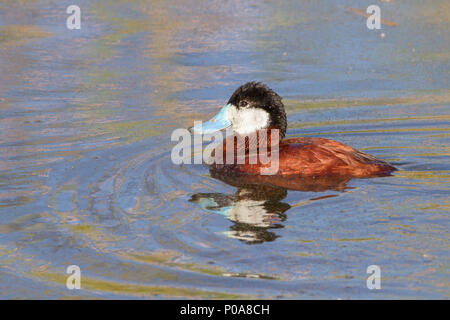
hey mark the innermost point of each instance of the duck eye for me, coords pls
(243, 104)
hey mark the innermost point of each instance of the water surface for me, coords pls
(85, 171)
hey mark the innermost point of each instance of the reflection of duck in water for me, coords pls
(254, 210)
(257, 208)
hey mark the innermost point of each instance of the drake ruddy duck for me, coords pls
(254, 108)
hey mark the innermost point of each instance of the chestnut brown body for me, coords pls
(302, 162)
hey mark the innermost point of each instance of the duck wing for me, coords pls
(319, 156)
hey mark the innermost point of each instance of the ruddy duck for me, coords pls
(254, 107)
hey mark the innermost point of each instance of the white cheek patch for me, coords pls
(245, 121)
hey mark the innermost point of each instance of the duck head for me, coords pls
(252, 107)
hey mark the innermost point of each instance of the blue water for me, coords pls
(85, 171)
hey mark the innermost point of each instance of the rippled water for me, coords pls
(85, 170)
